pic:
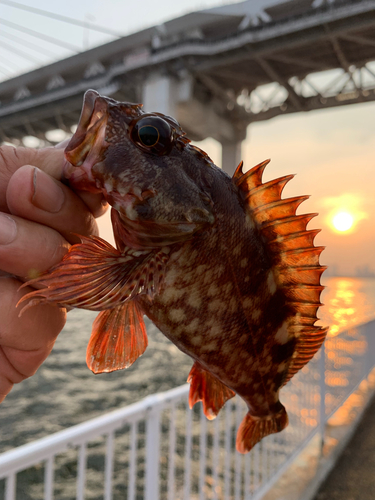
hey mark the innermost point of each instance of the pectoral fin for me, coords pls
(93, 275)
(208, 389)
(118, 338)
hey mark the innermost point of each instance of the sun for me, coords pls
(344, 213)
(343, 221)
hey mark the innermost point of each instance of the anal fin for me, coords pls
(118, 338)
(253, 429)
(207, 388)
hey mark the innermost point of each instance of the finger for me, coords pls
(95, 201)
(62, 144)
(25, 341)
(27, 249)
(49, 160)
(47, 201)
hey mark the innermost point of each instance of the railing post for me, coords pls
(322, 410)
(188, 441)
(48, 479)
(133, 461)
(368, 330)
(152, 453)
(203, 455)
(10, 487)
(108, 468)
(81, 472)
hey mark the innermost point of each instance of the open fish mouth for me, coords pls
(86, 144)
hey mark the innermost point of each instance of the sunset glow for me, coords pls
(343, 221)
(345, 213)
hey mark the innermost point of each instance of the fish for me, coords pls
(223, 266)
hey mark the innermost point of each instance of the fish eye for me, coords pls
(153, 134)
(148, 135)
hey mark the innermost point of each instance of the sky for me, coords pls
(330, 151)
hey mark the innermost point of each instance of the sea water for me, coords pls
(64, 392)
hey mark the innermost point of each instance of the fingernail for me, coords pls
(8, 229)
(48, 195)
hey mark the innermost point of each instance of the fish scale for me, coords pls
(224, 267)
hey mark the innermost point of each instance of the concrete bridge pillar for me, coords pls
(175, 97)
(160, 94)
(231, 155)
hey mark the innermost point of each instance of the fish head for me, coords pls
(146, 168)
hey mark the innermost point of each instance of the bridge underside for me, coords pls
(217, 85)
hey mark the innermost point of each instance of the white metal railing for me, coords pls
(159, 449)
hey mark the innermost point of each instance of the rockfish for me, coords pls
(222, 266)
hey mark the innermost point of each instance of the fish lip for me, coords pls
(89, 142)
(86, 147)
(93, 103)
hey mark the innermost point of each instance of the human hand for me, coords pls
(38, 213)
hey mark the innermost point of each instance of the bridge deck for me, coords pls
(247, 65)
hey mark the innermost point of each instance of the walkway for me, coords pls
(353, 477)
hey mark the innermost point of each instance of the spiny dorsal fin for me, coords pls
(238, 173)
(295, 259)
(250, 179)
(268, 192)
(287, 225)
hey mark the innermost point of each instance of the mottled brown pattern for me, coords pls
(238, 285)
(222, 333)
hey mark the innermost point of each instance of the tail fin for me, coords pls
(253, 429)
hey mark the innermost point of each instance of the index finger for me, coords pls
(50, 160)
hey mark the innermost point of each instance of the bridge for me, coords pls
(217, 70)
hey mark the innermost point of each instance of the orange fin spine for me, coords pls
(94, 275)
(253, 429)
(304, 293)
(250, 179)
(302, 239)
(308, 345)
(238, 172)
(118, 338)
(278, 209)
(301, 257)
(286, 225)
(306, 274)
(268, 192)
(294, 257)
(207, 388)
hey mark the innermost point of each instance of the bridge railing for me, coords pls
(159, 449)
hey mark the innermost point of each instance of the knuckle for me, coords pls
(14, 158)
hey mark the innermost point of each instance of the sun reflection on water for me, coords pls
(348, 302)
